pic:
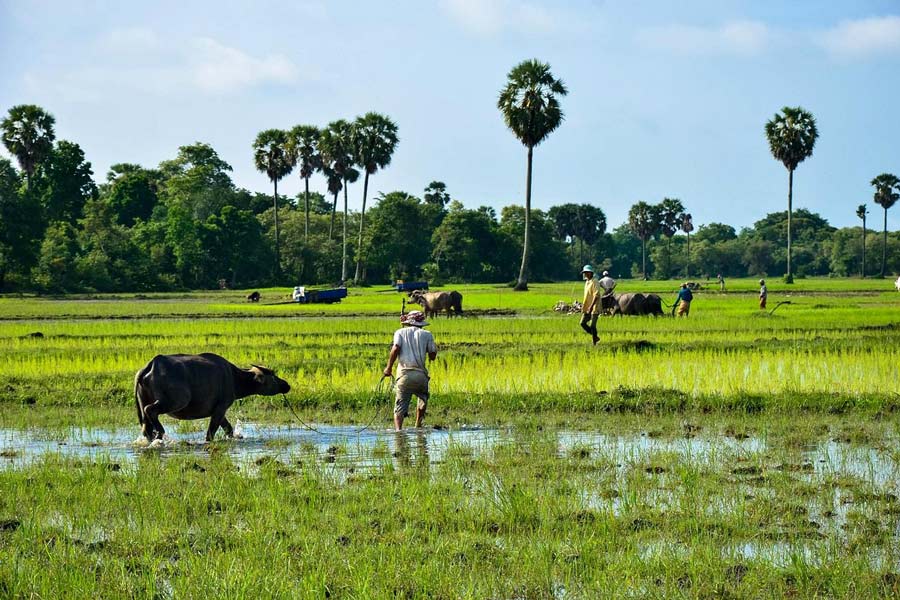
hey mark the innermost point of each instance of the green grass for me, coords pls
(530, 516)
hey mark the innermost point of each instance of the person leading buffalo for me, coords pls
(590, 308)
(683, 301)
(411, 345)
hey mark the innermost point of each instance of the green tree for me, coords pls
(66, 183)
(548, 259)
(887, 192)
(530, 106)
(336, 148)
(643, 220)
(463, 242)
(56, 270)
(861, 212)
(234, 245)
(792, 135)
(397, 244)
(271, 155)
(578, 222)
(374, 139)
(132, 193)
(28, 135)
(436, 194)
(671, 212)
(198, 180)
(303, 143)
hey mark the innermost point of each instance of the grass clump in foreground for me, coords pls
(536, 513)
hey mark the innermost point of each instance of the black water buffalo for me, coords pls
(189, 386)
(632, 304)
(253, 297)
(434, 302)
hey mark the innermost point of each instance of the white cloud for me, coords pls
(139, 60)
(493, 16)
(738, 37)
(863, 37)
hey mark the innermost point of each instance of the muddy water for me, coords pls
(347, 446)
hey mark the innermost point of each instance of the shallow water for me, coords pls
(349, 446)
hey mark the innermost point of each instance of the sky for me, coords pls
(666, 99)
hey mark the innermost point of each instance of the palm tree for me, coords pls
(671, 211)
(887, 192)
(530, 108)
(374, 142)
(334, 188)
(28, 135)
(792, 134)
(687, 226)
(336, 148)
(272, 157)
(643, 220)
(861, 212)
(303, 145)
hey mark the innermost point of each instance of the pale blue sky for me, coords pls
(665, 98)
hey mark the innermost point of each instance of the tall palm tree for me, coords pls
(887, 192)
(671, 211)
(792, 134)
(336, 148)
(272, 157)
(643, 220)
(334, 188)
(861, 212)
(28, 134)
(374, 142)
(530, 107)
(303, 142)
(687, 226)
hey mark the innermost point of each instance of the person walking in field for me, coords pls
(763, 294)
(590, 308)
(721, 281)
(683, 301)
(607, 283)
(411, 345)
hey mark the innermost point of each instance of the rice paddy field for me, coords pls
(734, 453)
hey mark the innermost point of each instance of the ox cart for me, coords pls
(410, 286)
(305, 296)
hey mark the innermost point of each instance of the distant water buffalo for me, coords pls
(253, 297)
(434, 302)
(188, 386)
(632, 304)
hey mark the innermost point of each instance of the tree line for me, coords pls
(184, 224)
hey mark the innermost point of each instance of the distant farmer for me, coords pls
(411, 345)
(683, 301)
(763, 294)
(590, 308)
(607, 283)
(721, 281)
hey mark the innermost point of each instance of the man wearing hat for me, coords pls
(590, 308)
(763, 294)
(411, 345)
(683, 301)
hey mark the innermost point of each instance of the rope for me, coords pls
(379, 393)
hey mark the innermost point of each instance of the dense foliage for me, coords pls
(185, 224)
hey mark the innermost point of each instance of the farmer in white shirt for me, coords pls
(411, 345)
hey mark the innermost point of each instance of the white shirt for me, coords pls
(607, 283)
(415, 344)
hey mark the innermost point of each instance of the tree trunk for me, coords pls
(333, 210)
(344, 240)
(789, 278)
(884, 245)
(644, 258)
(306, 222)
(362, 218)
(277, 254)
(863, 271)
(687, 270)
(522, 284)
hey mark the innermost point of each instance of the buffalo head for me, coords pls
(267, 382)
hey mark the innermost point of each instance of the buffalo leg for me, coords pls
(151, 417)
(226, 427)
(215, 421)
